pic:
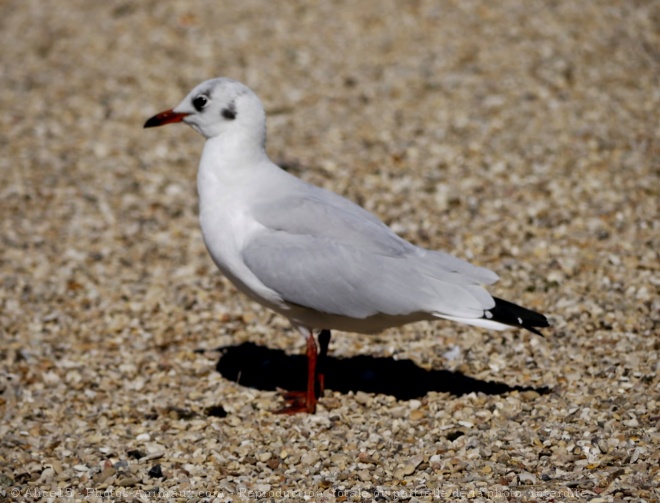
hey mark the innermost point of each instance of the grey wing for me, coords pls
(316, 212)
(321, 251)
(313, 211)
(337, 278)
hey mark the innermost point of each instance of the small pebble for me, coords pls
(105, 475)
(526, 478)
(47, 475)
(310, 458)
(128, 481)
(264, 456)
(410, 466)
(155, 472)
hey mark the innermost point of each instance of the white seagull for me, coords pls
(311, 255)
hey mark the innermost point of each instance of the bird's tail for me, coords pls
(505, 314)
(513, 315)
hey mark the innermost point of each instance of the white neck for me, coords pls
(230, 162)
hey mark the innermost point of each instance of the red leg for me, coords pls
(305, 401)
(311, 373)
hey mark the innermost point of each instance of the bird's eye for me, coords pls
(200, 102)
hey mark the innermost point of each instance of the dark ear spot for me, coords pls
(230, 112)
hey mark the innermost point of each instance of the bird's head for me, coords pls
(216, 107)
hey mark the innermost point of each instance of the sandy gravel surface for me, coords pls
(523, 137)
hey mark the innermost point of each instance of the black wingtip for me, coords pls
(514, 315)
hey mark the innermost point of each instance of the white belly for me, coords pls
(225, 230)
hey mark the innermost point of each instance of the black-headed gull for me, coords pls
(311, 255)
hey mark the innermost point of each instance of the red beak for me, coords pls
(166, 117)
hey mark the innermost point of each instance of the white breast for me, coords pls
(224, 194)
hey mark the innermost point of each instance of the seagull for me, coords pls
(311, 255)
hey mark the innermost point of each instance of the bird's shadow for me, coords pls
(268, 369)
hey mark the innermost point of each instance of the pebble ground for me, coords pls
(521, 136)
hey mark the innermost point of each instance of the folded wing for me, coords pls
(323, 252)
